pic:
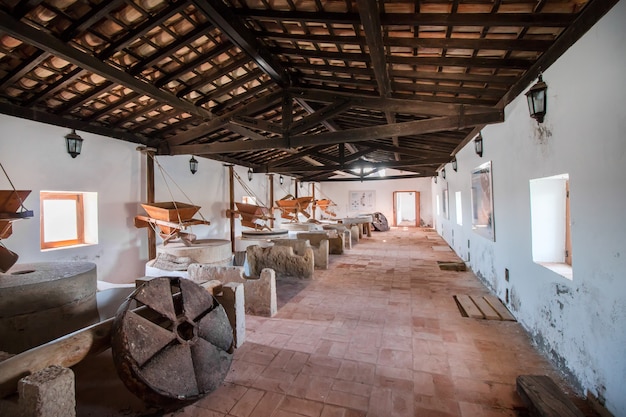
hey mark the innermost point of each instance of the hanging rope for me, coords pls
(164, 174)
(23, 208)
(249, 190)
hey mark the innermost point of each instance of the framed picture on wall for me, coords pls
(444, 201)
(483, 221)
(363, 201)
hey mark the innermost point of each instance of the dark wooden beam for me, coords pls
(260, 124)
(71, 123)
(344, 136)
(358, 165)
(244, 131)
(370, 19)
(427, 108)
(427, 173)
(417, 127)
(417, 19)
(219, 122)
(496, 63)
(55, 46)
(230, 24)
(319, 116)
(441, 43)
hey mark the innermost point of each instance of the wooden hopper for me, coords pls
(290, 207)
(170, 211)
(250, 213)
(10, 202)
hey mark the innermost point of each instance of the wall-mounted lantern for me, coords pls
(454, 164)
(435, 179)
(74, 143)
(281, 180)
(478, 145)
(250, 174)
(443, 173)
(537, 103)
(193, 165)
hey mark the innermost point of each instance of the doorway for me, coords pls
(406, 208)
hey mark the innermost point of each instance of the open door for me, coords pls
(406, 208)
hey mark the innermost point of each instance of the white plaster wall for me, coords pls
(339, 192)
(35, 158)
(579, 324)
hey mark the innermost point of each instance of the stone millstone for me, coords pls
(175, 350)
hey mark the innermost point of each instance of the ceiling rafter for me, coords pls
(231, 26)
(415, 19)
(55, 46)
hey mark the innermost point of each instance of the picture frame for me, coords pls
(363, 201)
(483, 219)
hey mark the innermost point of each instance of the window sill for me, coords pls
(560, 268)
(79, 245)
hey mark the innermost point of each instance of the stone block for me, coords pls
(335, 240)
(47, 393)
(355, 233)
(282, 260)
(259, 291)
(320, 249)
(232, 299)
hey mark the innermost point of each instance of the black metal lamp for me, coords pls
(443, 173)
(281, 180)
(435, 178)
(250, 174)
(301, 184)
(455, 165)
(478, 145)
(537, 102)
(74, 143)
(193, 165)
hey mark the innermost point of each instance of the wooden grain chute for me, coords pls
(252, 215)
(171, 218)
(291, 207)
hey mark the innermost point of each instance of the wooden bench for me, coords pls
(544, 398)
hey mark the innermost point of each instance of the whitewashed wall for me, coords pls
(578, 323)
(339, 192)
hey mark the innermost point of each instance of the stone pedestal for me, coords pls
(205, 251)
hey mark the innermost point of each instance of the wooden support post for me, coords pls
(150, 196)
(314, 203)
(296, 187)
(231, 175)
(271, 204)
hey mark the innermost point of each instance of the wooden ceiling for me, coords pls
(301, 87)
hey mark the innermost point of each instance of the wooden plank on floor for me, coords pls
(470, 308)
(485, 307)
(544, 398)
(497, 305)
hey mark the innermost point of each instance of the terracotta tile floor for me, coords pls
(377, 335)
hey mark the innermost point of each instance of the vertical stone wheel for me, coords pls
(175, 349)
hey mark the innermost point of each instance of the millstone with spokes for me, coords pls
(176, 348)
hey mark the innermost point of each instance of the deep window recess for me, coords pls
(68, 219)
(550, 223)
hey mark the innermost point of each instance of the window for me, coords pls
(459, 208)
(68, 219)
(550, 223)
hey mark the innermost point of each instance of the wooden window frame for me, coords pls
(80, 219)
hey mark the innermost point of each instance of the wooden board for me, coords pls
(497, 305)
(469, 307)
(488, 312)
(544, 398)
(483, 307)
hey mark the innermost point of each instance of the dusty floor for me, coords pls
(377, 335)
